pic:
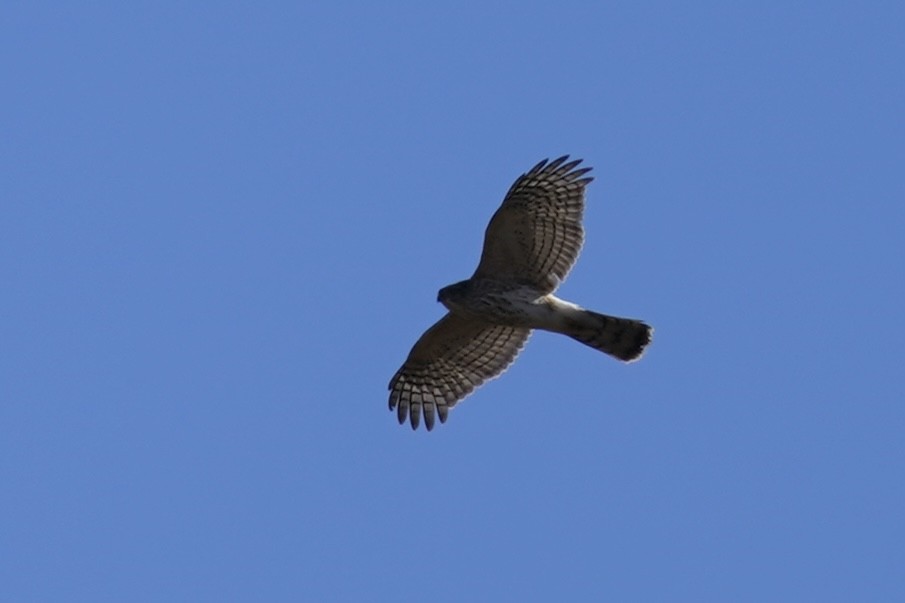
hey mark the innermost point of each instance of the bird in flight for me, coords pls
(530, 245)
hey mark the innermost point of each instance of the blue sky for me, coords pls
(224, 226)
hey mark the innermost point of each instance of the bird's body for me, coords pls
(530, 245)
(497, 302)
(518, 305)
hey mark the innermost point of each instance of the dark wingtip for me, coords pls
(415, 415)
(429, 415)
(562, 168)
(553, 165)
(537, 167)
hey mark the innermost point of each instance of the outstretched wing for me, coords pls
(536, 234)
(448, 362)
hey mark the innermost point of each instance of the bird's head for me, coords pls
(451, 295)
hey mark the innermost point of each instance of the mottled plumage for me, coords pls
(530, 245)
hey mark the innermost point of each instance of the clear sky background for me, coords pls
(224, 225)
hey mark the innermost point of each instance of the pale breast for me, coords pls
(506, 304)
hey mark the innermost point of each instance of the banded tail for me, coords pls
(622, 338)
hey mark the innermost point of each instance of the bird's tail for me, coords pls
(622, 338)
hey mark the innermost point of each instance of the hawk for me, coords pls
(530, 245)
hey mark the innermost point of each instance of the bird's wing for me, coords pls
(448, 362)
(536, 234)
